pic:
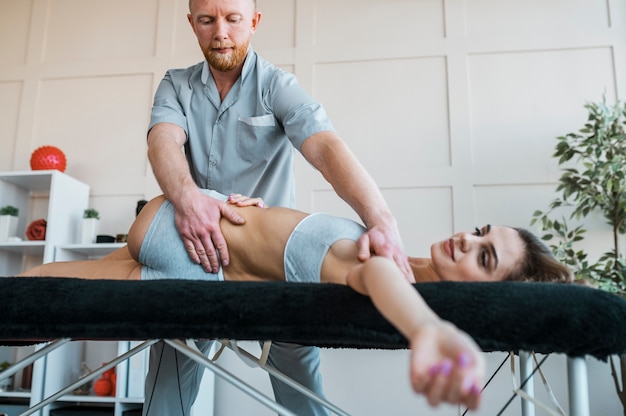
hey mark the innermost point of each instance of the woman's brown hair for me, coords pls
(538, 263)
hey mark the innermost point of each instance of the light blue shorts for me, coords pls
(163, 254)
(309, 242)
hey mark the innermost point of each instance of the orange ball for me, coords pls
(102, 387)
(48, 158)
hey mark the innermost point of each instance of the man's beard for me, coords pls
(225, 62)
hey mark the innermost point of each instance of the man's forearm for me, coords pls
(169, 165)
(349, 179)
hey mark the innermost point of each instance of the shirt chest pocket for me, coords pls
(256, 136)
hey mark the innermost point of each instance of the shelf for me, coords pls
(36, 248)
(91, 250)
(36, 180)
(89, 398)
(15, 394)
(28, 248)
(99, 399)
(65, 252)
(130, 400)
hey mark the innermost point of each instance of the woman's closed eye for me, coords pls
(483, 256)
(484, 260)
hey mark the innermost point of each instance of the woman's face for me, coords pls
(488, 254)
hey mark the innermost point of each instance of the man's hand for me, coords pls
(332, 157)
(384, 240)
(198, 222)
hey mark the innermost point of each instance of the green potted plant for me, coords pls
(9, 210)
(593, 181)
(91, 213)
(8, 222)
(90, 225)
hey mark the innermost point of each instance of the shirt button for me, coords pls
(212, 163)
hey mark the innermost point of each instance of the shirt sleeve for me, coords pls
(300, 115)
(167, 106)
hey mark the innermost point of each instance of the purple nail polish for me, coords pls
(468, 384)
(434, 370)
(446, 367)
(475, 389)
(464, 359)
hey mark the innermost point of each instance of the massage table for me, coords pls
(505, 316)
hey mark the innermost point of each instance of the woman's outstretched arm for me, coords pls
(446, 365)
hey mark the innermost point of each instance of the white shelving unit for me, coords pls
(61, 200)
(70, 252)
(52, 195)
(64, 366)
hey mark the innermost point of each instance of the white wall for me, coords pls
(453, 106)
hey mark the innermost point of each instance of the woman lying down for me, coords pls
(280, 244)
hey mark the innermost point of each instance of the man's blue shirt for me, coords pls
(245, 143)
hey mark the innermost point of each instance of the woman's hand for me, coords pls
(245, 201)
(446, 365)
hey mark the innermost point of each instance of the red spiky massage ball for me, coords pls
(47, 158)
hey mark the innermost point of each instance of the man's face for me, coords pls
(223, 29)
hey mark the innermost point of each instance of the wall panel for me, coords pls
(14, 28)
(375, 23)
(393, 113)
(99, 30)
(521, 101)
(529, 18)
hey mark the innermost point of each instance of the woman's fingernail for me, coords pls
(446, 367)
(468, 384)
(464, 359)
(475, 389)
(261, 205)
(434, 370)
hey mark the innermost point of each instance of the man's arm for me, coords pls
(332, 157)
(197, 215)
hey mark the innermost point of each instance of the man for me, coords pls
(238, 118)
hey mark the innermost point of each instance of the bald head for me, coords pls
(192, 2)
